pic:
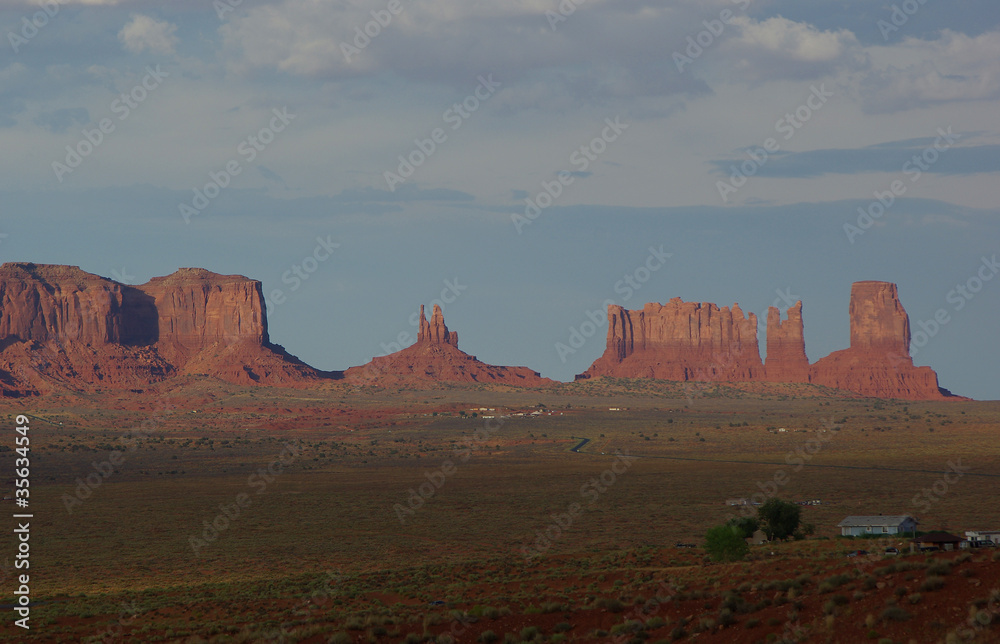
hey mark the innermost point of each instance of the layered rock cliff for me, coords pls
(436, 357)
(878, 362)
(680, 341)
(63, 327)
(786, 347)
(687, 341)
(43, 303)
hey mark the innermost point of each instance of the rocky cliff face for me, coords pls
(878, 362)
(680, 341)
(436, 357)
(63, 327)
(786, 347)
(688, 341)
(197, 309)
(58, 303)
(435, 331)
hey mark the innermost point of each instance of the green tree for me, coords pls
(724, 543)
(779, 519)
(746, 525)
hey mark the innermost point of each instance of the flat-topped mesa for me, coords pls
(878, 363)
(786, 347)
(43, 302)
(61, 327)
(196, 309)
(435, 331)
(680, 341)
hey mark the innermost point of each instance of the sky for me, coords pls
(521, 163)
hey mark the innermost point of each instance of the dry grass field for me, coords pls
(363, 515)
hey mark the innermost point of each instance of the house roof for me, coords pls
(877, 520)
(938, 537)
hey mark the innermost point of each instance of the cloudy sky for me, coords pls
(517, 160)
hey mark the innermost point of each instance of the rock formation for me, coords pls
(786, 347)
(436, 357)
(687, 341)
(63, 327)
(197, 309)
(878, 362)
(48, 303)
(680, 341)
(435, 331)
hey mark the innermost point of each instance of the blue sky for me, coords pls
(741, 136)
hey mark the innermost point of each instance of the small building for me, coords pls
(977, 537)
(939, 541)
(863, 525)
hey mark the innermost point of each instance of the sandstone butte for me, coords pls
(701, 342)
(61, 327)
(436, 357)
(64, 328)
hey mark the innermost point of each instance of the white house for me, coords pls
(856, 526)
(978, 536)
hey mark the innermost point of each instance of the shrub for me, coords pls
(487, 637)
(932, 583)
(753, 622)
(895, 614)
(939, 568)
(529, 633)
(655, 623)
(340, 638)
(915, 598)
(678, 633)
(610, 604)
(725, 543)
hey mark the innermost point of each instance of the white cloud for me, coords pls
(143, 32)
(918, 73)
(778, 48)
(453, 41)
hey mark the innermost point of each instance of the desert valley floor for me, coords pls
(465, 513)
